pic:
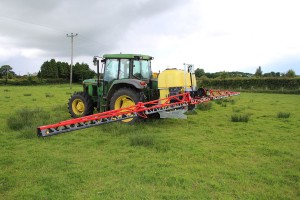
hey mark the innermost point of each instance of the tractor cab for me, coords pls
(119, 70)
(129, 66)
(123, 80)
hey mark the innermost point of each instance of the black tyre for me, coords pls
(125, 97)
(80, 104)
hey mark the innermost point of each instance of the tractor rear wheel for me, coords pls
(80, 104)
(125, 97)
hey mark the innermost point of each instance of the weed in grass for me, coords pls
(7, 97)
(49, 95)
(223, 102)
(218, 101)
(6, 90)
(27, 94)
(240, 118)
(204, 106)
(69, 93)
(27, 132)
(145, 140)
(237, 110)
(7, 183)
(283, 115)
(60, 107)
(26, 117)
(61, 113)
(162, 147)
(34, 99)
(230, 100)
(191, 112)
(119, 128)
(224, 105)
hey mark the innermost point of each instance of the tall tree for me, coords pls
(63, 70)
(199, 72)
(5, 70)
(45, 71)
(258, 72)
(54, 68)
(81, 72)
(49, 69)
(290, 73)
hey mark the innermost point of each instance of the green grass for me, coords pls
(206, 156)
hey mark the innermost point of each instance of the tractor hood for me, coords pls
(90, 81)
(139, 84)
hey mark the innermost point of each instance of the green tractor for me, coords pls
(126, 79)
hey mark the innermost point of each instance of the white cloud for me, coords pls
(32, 53)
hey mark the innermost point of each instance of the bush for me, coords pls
(32, 80)
(283, 115)
(239, 118)
(278, 84)
(26, 118)
(191, 112)
(141, 140)
(204, 106)
(49, 95)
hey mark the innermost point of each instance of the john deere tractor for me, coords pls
(125, 80)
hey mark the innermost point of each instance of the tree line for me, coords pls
(57, 69)
(6, 72)
(266, 84)
(53, 69)
(200, 73)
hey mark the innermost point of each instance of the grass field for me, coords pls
(214, 154)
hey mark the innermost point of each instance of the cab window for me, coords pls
(124, 69)
(141, 69)
(111, 69)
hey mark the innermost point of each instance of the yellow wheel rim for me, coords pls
(124, 101)
(78, 107)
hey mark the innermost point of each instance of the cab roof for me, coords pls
(128, 56)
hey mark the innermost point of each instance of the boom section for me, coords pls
(141, 109)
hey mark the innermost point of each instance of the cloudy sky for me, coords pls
(216, 35)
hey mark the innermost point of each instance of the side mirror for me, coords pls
(95, 61)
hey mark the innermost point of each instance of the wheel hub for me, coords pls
(78, 106)
(124, 102)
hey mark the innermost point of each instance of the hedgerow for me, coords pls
(252, 83)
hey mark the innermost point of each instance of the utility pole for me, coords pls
(72, 45)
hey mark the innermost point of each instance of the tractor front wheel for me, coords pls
(125, 97)
(80, 104)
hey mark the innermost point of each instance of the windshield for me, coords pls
(111, 70)
(141, 69)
